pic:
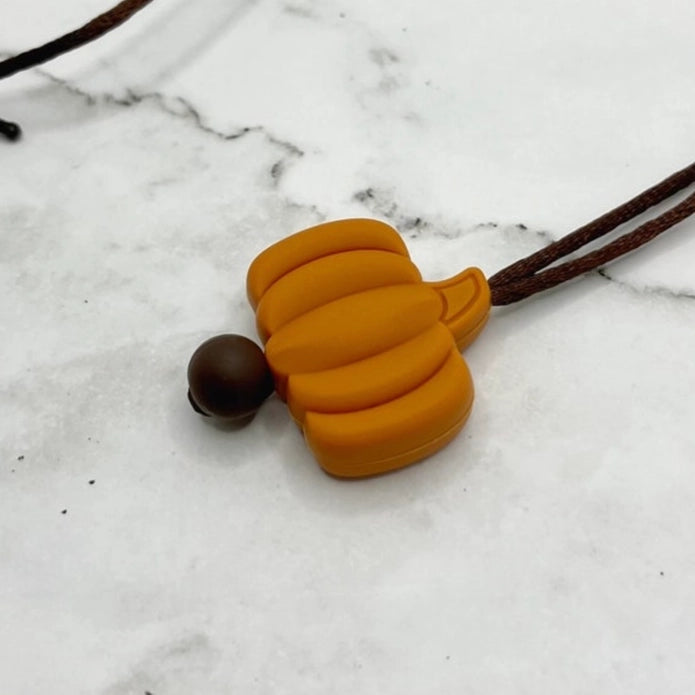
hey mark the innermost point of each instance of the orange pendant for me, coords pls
(364, 352)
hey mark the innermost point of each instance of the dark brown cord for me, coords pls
(10, 130)
(522, 278)
(94, 29)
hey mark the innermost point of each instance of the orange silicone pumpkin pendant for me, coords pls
(365, 352)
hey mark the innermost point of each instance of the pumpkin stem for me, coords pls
(466, 304)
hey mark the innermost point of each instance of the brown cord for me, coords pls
(10, 130)
(79, 37)
(511, 284)
(522, 278)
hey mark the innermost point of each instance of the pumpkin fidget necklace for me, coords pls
(366, 354)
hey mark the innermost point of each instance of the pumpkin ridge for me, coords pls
(316, 242)
(392, 463)
(327, 279)
(399, 429)
(395, 397)
(303, 398)
(318, 340)
(332, 253)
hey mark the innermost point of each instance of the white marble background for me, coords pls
(549, 549)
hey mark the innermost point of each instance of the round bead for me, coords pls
(229, 378)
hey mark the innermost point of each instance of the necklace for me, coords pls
(91, 31)
(365, 353)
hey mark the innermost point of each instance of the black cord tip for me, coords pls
(10, 130)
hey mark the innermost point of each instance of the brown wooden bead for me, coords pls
(228, 378)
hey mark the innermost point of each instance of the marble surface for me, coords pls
(548, 549)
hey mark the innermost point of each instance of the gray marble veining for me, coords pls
(547, 549)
